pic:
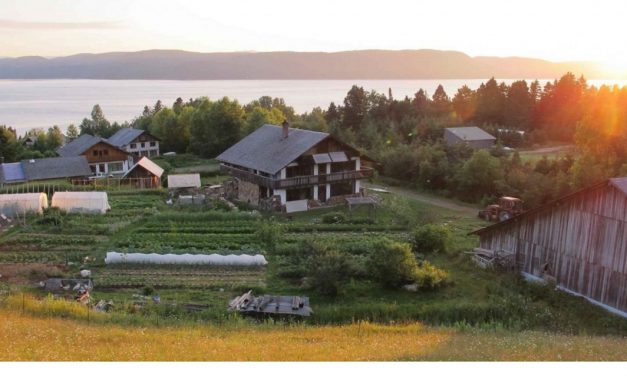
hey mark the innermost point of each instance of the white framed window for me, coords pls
(116, 167)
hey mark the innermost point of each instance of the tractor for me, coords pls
(506, 208)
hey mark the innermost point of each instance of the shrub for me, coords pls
(328, 270)
(392, 264)
(269, 234)
(428, 276)
(335, 217)
(431, 238)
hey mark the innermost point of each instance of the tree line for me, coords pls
(406, 135)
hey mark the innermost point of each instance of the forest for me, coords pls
(405, 135)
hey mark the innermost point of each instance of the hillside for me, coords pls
(365, 64)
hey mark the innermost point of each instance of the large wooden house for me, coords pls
(295, 168)
(104, 158)
(579, 242)
(137, 142)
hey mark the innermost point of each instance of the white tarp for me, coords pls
(199, 259)
(184, 181)
(296, 206)
(23, 203)
(81, 202)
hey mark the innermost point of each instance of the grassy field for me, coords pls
(474, 309)
(27, 338)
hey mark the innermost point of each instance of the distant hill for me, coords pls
(365, 64)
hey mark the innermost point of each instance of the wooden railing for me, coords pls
(298, 181)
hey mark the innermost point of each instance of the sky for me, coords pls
(552, 30)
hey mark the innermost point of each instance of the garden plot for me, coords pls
(180, 277)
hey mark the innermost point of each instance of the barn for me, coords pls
(475, 137)
(578, 241)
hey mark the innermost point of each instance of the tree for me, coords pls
(8, 144)
(464, 103)
(72, 132)
(355, 108)
(518, 106)
(491, 103)
(54, 138)
(441, 104)
(98, 125)
(259, 116)
(216, 126)
(478, 176)
(420, 102)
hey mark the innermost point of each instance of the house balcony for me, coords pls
(297, 181)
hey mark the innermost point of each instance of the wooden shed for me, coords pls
(578, 241)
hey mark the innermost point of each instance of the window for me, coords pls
(95, 152)
(106, 152)
(143, 144)
(153, 144)
(116, 167)
(133, 146)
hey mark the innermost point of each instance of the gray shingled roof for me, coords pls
(78, 146)
(266, 150)
(55, 168)
(471, 133)
(124, 136)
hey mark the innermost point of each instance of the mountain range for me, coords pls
(363, 64)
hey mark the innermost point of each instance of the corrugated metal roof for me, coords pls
(184, 181)
(149, 166)
(266, 150)
(78, 146)
(56, 168)
(124, 136)
(470, 133)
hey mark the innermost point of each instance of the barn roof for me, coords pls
(470, 133)
(79, 145)
(147, 165)
(124, 136)
(266, 150)
(44, 168)
(54, 168)
(619, 183)
(184, 181)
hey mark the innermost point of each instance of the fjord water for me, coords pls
(26, 104)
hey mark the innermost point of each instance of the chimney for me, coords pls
(286, 128)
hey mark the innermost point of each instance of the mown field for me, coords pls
(475, 308)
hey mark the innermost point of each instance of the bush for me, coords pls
(335, 217)
(392, 264)
(269, 234)
(328, 270)
(431, 238)
(429, 277)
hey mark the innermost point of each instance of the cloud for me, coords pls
(39, 25)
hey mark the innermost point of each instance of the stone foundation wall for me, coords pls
(248, 192)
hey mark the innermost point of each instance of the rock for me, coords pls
(413, 287)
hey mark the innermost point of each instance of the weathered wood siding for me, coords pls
(582, 243)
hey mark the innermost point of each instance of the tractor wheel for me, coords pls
(504, 216)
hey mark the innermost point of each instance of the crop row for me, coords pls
(50, 239)
(53, 257)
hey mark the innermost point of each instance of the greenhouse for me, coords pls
(186, 259)
(81, 202)
(12, 205)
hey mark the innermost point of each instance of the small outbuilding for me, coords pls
(12, 205)
(475, 137)
(81, 202)
(144, 174)
(184, 181)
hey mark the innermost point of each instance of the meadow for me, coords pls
(475, 308)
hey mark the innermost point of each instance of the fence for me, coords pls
(104, 184)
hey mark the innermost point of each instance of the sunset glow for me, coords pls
(557, 31)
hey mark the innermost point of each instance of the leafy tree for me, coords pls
(355, 108)
(8, 144)
(478, 175)
(441, 103)
(72, 132)
(464, 103)
(215, 126)
(431, 238)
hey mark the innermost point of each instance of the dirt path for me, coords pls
(552, 149)
(417, 196)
